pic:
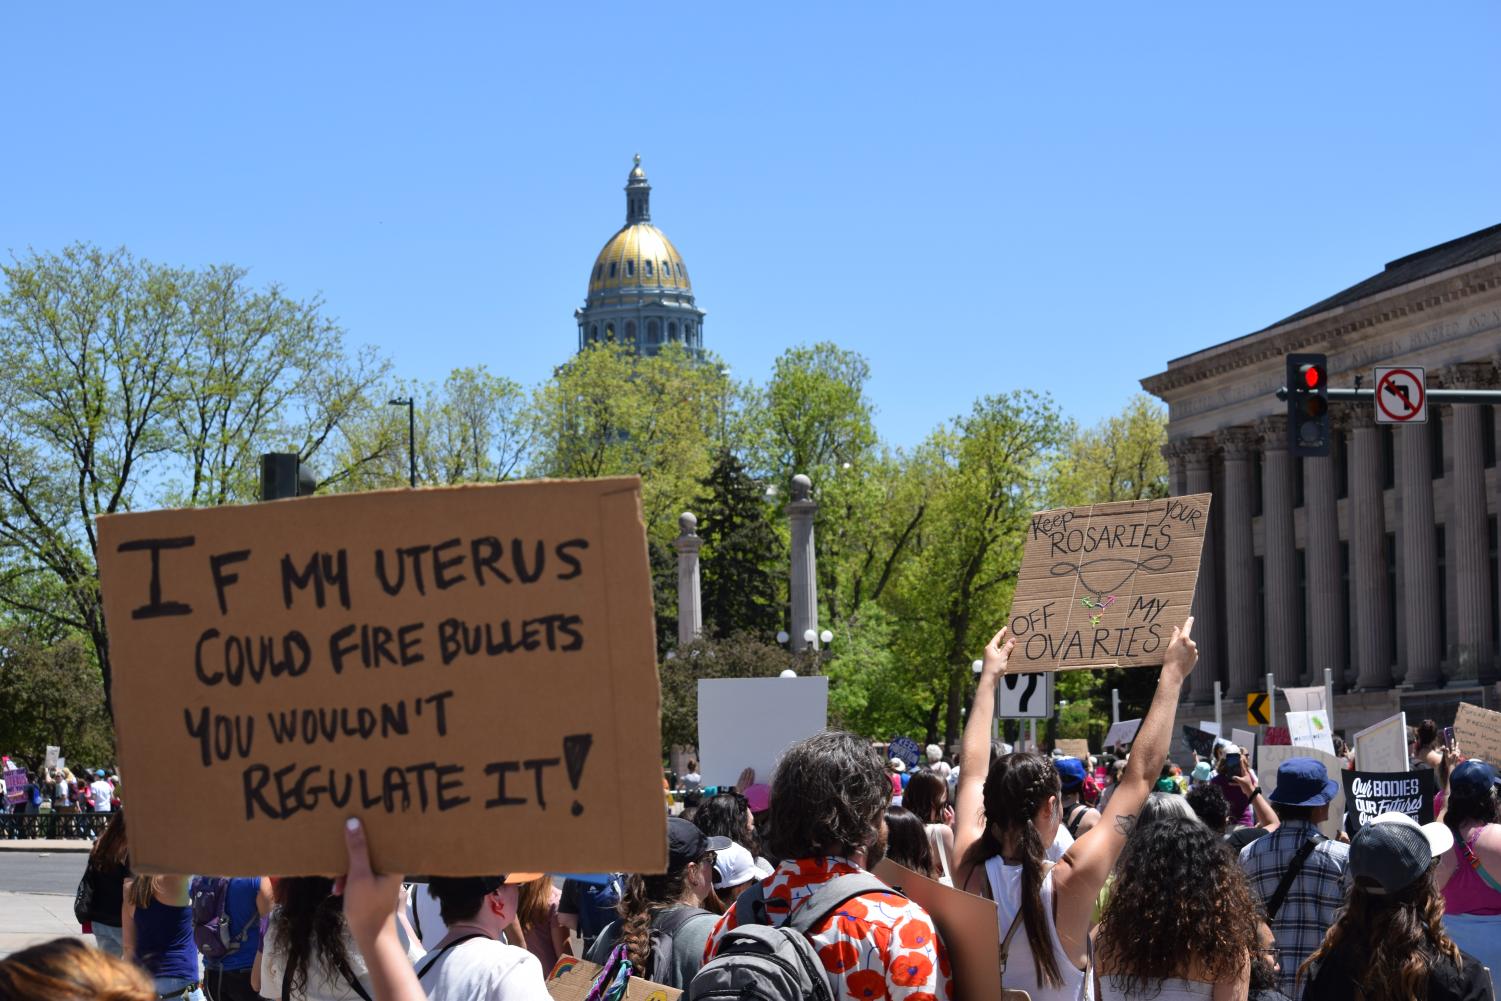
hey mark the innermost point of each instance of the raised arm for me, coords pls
(1082, 871)
(370, 901)
(974, 753)
(1246, 780)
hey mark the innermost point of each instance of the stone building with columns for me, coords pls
(1380, 561)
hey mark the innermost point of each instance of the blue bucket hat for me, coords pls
(1070, 772)
(1473, 780)
(1303, 782)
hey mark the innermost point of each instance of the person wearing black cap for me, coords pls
(1389, 941)
(662, 922)
(471, 961)
(1299, 875)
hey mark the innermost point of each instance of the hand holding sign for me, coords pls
(997, 656)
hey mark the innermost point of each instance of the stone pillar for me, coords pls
(1196, 456)
(1474, 650)
(1424, 633)
(690, 600)
(1368, 594)
(1326, 595)
(1242, 628)
(804, 584)
(1284, 613)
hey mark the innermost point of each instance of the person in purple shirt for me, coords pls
(1235, 779)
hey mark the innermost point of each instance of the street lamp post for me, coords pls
(411, 405)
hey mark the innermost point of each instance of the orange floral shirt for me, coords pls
(877, 945)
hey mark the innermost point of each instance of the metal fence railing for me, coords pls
(51, 826)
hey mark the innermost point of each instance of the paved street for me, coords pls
(36, 897)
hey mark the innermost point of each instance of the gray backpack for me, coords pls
(756, 962)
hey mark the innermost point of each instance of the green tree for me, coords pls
(1118, 459)
(741, 546)
(52, 694)
(126, 384)
(741, 656)
(815, 415)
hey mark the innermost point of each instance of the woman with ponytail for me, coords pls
(662, 923)
(1008, 813)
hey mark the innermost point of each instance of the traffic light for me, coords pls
(1308, 405)
(283, 475)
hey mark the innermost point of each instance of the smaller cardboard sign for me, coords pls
(1269, 758)
(1304, 700)
(1370, 794)
(748, 723)
(1244, 738)
(1103, 585)
(1277, 736)
(1123, 732)
(15, 785)
(1200, 742)
(967, 925)
(1311, 729)
(1073, 748)
(571, 979)
(1383, 747)
(905, 750)
(1477, 731)
(51, 760)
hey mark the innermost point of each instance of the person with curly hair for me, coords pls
(1388, 942)
(728, 815)
(1006, 819)
(1181, 920)
(663, 924)
(67, 970)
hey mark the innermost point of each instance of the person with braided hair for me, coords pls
(1008, 812)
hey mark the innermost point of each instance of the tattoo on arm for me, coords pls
(1125, 824)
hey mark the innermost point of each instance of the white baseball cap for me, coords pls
(735, 865)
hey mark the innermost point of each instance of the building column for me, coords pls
(804, 584)
(690, 598)
(1373, 655)
(1474, 650)
(1424, 633)
(1326, 593)
(1242, 628)
(1284, 614)
(1193, 459)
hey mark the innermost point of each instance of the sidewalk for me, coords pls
(29, 918)
(43, 846)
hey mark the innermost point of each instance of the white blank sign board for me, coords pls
(748, 723)
(1383, 747)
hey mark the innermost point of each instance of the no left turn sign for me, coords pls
(1401, 396)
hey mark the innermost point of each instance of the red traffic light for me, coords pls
(1312, 376)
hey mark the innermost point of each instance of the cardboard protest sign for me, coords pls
(1123, 732)
(470, 670)
(1477, 731)
(1073, 748)
(967, 925)
(748, 723)
(905, 750)
(1370, 794)
(1383, 747)
(50, 760)
(1103, 585)
(1243, 738)
(1268, 758)
(571, 979)
(1311, 729)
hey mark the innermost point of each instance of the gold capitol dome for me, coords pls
(639, 290)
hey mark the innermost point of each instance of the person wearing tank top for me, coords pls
(158, 934)
(1470, 874)
(1010, 811)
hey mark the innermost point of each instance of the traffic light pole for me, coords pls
(1433, 395)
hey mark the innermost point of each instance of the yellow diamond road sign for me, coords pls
(1256, 709)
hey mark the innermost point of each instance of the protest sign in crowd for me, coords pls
(854, 870)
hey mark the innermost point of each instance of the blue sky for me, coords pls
(975, 197)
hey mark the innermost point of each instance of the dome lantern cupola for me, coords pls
(637, 196)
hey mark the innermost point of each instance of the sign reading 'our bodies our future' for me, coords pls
(1104, 585)
(470, 670)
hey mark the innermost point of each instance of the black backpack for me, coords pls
(756, 962)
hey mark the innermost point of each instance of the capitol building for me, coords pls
(639, 290)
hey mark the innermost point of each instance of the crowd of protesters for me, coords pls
(1152, 884)
(77, 797)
